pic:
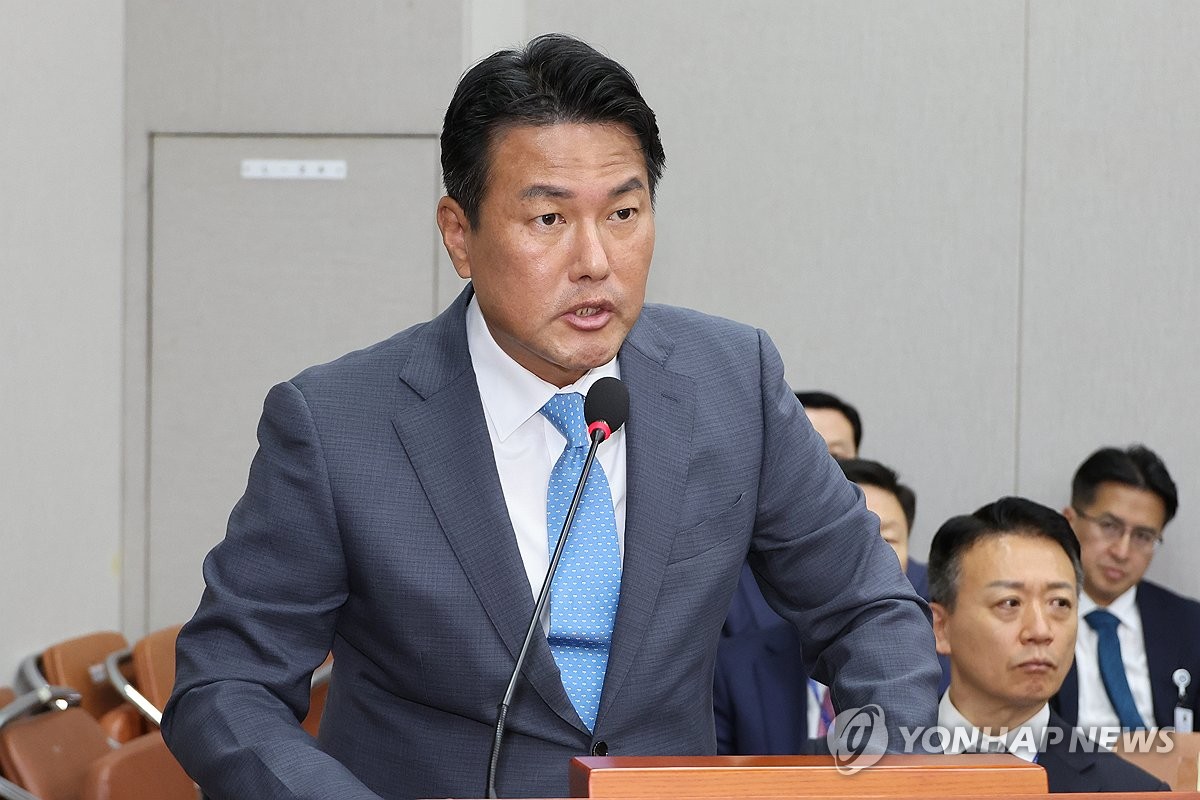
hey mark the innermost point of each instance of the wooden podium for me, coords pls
(894, 777)
(804, 776)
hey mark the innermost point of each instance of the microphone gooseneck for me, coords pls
(605, 410)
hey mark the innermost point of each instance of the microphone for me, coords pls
(605, 410)
(606, 407)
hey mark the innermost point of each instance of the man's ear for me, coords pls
(940, 623)
(452, 222)
(1073, 518)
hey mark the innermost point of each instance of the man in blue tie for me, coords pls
(1137, 658)
(405, 498)
(1005, 585)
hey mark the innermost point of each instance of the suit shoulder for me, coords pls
(690, 336)
(1125, 776)
(1155, 595)
(1076, 763)
(689, 317)
(686, 325)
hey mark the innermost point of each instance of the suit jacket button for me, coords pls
(600, 749)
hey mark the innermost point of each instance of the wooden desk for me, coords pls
(808, 776)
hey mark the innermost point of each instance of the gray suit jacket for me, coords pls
(373, 524)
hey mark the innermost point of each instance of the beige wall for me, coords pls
(61, 273)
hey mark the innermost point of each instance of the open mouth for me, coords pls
(590, 315)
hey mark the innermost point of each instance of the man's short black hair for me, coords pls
(1137, 466)
(554, 79)
(827, 400)
(1008, 515)
(872, 473)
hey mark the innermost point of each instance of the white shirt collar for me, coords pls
(1023, 741)
(1123, 608)
(510, 393)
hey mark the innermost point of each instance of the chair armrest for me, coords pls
(38, 698)
(112, 665)
(322, 674)
(30, 672)
(10, 791)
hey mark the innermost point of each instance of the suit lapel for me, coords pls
(657, 445)
(1068, 771)
(1161, 657)
(1066, 702)
(445, 436)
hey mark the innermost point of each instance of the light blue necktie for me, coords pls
(583, 597)
(1112, 668)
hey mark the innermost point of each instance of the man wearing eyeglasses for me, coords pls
(1136, 665)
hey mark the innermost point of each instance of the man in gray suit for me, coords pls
(397, 512)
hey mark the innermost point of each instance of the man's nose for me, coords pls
(591, 258)
(1120, 547)
(1037, 626)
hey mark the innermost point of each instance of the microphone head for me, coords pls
(606, 406)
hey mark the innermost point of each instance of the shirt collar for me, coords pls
(1023, 741)
(510, 393)
(1123, 608)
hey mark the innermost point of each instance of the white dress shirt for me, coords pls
(1095, 710)
(526, 445)
(1023, 740)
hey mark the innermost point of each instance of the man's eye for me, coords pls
(548, 219)
(624, 213)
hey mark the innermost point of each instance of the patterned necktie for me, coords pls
(583, 597)
(1112, 668)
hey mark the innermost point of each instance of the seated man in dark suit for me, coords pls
(1120, 502)
(764, 704)
(840, 425)
(1005, 583)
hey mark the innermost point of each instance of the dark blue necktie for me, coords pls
(583, 597)
(1112, 668)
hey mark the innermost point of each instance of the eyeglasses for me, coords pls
(1113, 529)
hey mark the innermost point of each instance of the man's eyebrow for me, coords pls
(546, 190)
(537, 190)
(1021, 585)
(634, 184)
(1007, 585)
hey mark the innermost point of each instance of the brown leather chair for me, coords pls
(140, 769)
(79, 664)
(152, 662)
(48, 752)
(154, 665)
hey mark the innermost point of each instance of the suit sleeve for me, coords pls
(273, 589)
(818, 556)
